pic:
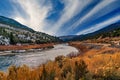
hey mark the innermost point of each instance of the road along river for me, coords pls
(34, 59)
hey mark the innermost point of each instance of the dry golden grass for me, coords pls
(101, 62)
(64, 69)
(25, 47)
(101, 66)
(82, 48)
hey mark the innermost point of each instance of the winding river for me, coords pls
(34, 59)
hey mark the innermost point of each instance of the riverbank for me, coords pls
(25, 47)
(96, 63)
(36, 58)
(98, 48)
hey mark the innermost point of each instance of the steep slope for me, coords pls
(13, 23)
(12, 32)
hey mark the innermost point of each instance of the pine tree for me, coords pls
(12, 39)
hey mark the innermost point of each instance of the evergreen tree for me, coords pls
(12, 39)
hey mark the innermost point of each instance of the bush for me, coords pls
(80, 70)
(44, 74)
(59, 59)
(12, 75)
(65, 71)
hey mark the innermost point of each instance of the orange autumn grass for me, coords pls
(100, 66)
(25, 47)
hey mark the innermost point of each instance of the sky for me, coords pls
(62, 17)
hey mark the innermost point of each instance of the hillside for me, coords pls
(13, 23)
(12, 32)
(109, 31)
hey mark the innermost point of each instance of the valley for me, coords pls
(26, 54)
(59, 39)
(94, 61)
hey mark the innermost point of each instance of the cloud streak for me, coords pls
(36, 12)
(64, 17)
(92, 14)
(71, 9)
(97, 8)
(100, 25)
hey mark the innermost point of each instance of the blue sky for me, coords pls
(62, 17)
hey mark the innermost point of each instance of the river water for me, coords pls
(34, 59)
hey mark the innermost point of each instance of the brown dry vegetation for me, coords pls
(25, 47)
(101, 63)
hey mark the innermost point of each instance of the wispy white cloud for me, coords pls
(36, 12)
(93, 12)
(71, 9)
(100, 25)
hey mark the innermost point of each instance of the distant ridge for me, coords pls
(112, 30)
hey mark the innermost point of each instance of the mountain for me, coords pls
(67, 38)
(112, 30)
(13, 23)
(13, 32)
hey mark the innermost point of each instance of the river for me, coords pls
(34, 59)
